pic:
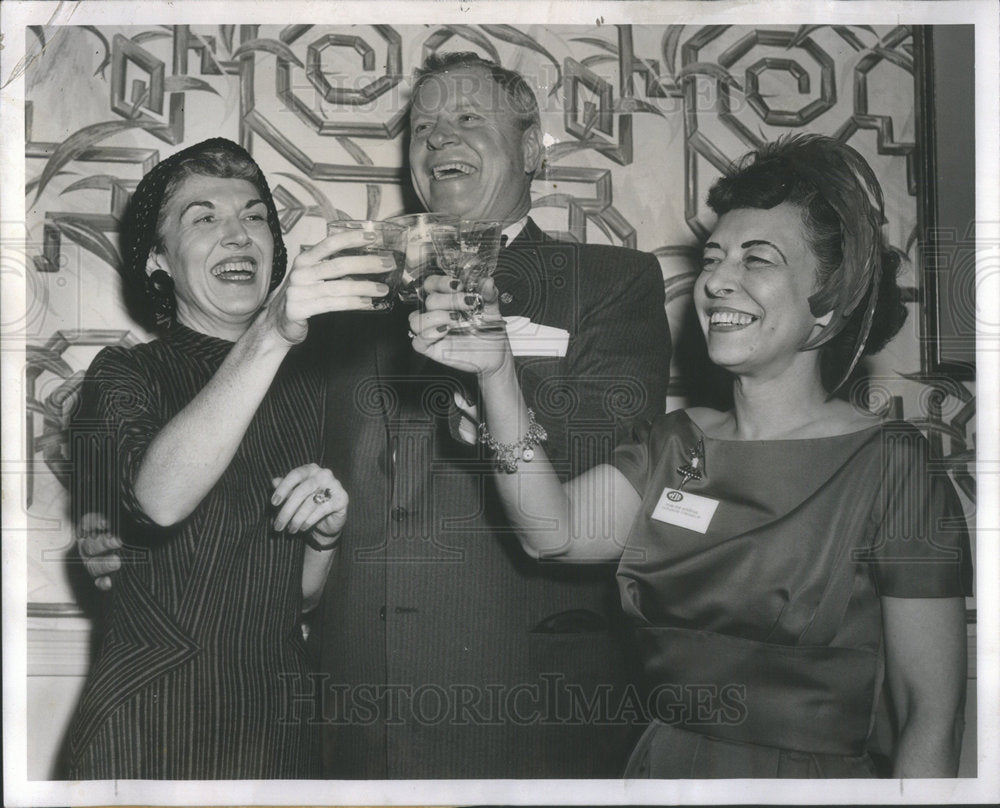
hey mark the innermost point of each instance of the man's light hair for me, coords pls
(522, 98)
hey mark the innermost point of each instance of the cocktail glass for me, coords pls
(421, 259)
(387, 243)
(467, 250)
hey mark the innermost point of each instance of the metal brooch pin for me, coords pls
(692, 469)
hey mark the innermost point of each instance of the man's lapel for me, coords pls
(521, 276)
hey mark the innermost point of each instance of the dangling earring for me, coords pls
(160, 291)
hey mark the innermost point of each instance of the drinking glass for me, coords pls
(421, 260)
(467, 250)
(388, 243)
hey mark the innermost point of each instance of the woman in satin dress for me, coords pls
(785, 562)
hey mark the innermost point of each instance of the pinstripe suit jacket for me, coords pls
(446, 652)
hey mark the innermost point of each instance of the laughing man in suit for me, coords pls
(445, 654)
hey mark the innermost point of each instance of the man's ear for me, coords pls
(532, 149)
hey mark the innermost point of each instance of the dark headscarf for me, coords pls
(216, 157)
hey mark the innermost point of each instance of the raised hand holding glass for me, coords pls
(467, 251)
(387, 242)
(421, 260)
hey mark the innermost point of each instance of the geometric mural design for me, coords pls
(639, 120)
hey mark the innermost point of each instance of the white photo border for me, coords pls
(16, 15)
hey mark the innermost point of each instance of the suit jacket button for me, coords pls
(397, 514)
(507, 298)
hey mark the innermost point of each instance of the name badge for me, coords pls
(685, 509)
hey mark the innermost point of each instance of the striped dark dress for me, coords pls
(202, 648)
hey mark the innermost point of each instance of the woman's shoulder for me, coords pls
(123, 355)
(117, 377)
(143, 365)
(849, 420)
(661, 427)
(843, 418)
(178, 347)
(838, 419)
(116, 356)
(707, 420)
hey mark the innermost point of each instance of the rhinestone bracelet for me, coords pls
(509, 453)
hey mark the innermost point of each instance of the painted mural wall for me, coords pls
(638, 122)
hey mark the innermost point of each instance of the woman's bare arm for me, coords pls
(925, 643)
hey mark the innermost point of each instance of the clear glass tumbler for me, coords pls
(421, 259)
(388, 243)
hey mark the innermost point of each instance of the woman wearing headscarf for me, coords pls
(211, 434)
(782, 560)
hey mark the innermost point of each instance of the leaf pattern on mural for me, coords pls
(326, 208)
(272, 46)
(507, 33)
(207, 50)
(720, 74)
(181, 84)
(226, 34)
(470, 33)
(77, 143)
(671, 41)
(149, 36)
(31, 185)
(597, 42)
(95, 182)
(106, 60)
(89, 237)
(560, 150)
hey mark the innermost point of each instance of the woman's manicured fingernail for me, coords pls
(275, 499)
(370, 235)
(388, 262)
(278, 526)
(442, 328)
(455, 284)
(471, 300)
(456, 315)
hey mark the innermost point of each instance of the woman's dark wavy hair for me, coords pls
(843, 212)
(141, 227)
